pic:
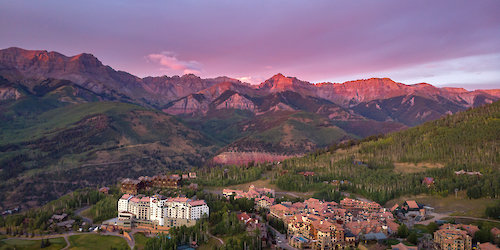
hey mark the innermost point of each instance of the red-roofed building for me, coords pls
(394, 208)
(307, 173)
(355, 206)
(392, 226)
(104, 190)
(264, 202)
(428, 181)
(453, 239)
(495, 232)
(281, 211)
(244, 217)
(487, 246)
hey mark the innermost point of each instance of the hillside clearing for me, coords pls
(461, 206)
(409, 168)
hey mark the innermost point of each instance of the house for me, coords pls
(392, 227)
(264, 202)
(411, 206)
(165, 181)
(244, 217)
(59, 217)
(495, 232)
(307, 173)
(67, 224)
(428, 181)
(130, 186)
(281, 211)
(104, 190)
(192, 175)
(487, 246)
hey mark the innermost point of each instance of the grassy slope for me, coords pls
(94, 241)
(49, 144)
(140, 240)
(56, 243)
(459, 206)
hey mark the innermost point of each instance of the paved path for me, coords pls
(474, 218)
(66, 238)
(87, 220)
(440, 216)
(217, 238)
(436, 216)
(281, 241)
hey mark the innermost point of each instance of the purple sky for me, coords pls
(445, 43)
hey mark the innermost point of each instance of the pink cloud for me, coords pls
(170, 62)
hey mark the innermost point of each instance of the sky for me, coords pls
(445, 43)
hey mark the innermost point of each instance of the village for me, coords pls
(310, 223)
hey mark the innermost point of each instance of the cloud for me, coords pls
(251, 79)
(169, 62)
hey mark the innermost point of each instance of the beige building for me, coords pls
(453, 238)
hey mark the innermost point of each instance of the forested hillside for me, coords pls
(59, 138)
(396, 164)
(470, 138)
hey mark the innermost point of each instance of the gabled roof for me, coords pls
(412, 204)
(243, 217)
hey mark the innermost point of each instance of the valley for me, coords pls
(71, 124)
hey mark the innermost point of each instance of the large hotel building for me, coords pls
(161, 211)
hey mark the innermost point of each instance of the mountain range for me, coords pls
(355, 108)
(76, 118)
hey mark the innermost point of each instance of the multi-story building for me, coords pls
(197, 209)
(123, 202)
(453, 238)
(177, 208)
(166, 181)
(130, 186)
(143, 212)
(355, 206)
(133, 206)
(158, 209)
(253, 192)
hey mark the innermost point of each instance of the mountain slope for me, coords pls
(358, 108)
(396, 164)
(471, 137)
(85, 70)
(287, 131)
(62, 140)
